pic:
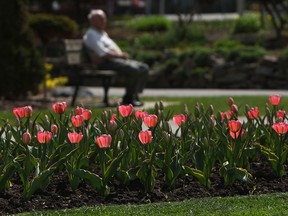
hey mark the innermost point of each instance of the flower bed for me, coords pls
(73, 159)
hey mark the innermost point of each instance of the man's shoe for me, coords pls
(137, 103)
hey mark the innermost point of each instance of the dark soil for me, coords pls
(59, 195)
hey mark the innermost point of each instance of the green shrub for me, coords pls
(149, 57)
(48, 26)
(151, 23)
(22, 66)
(156, 40)
(201, 56)
(246, 54)
(224, 46)
(246, 24)
(195, 34)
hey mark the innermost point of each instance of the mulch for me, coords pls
(59, 194)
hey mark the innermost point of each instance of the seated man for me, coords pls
(110, 57)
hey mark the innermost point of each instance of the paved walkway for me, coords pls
(96, 91)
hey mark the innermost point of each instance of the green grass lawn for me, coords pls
(219, 104)
(261, 205)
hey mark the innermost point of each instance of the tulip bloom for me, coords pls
(145, 137)
(235, 135)
(27, 138)
(104, 140)
(150, 120)
(178, 119)
(280, 114)
(140, 114)
(87, 114)
(77, 120)
(44, 137)
(59, 107)
(112, 122)
(79, 110)
(234, 125)
(253, 113)
(280, 127)
(274, 99)
(21, 112)
(75, 137)
(126, 111)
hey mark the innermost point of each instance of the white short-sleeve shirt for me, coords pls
(100, 42)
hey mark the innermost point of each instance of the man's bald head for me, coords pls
(98, 19)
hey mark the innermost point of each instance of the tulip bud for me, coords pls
(197, 111)
(211, 109)
(9, 135)
(161, 105)
(27, 138)
(234, 108)
(156, 106)
(54, 129)
(121, 134)
(166, 136)
(230, 101)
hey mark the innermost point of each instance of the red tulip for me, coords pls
(54, 128)
(235, 135)
(280, 127)
(126, 111)
(280, 114)
(145, 137)
(75, 137)
(140, 114)
(27, 138)
(178, 119)
(104, 140)
(253, 113)
(150, 120)
(87, 114)
(59, 107)
(234, 108)
(274, 99)
(79, 110)
(234, 125)
(21, 112)
(77, 120)
(44, 137)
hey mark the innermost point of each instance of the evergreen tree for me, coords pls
(21, 65)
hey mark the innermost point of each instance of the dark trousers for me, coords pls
(134, 72)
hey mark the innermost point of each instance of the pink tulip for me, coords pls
(178, 119)
(126, 111)
(145, 137)
(79, 110)
(150, 120)
(253, 113)
(21, 112)
(59, 107)
(75, 137)
(27, 138)
(44, 137)
(280, 114)
(274, 99)
(87, 114)
(104, 140)
(280, 127)
(77, 120)
(235, 135)
(140, 114)
(234, 125)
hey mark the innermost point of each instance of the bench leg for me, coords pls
(106, 86)
(75, 95)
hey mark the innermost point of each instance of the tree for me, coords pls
(277, 9)
(22, 66)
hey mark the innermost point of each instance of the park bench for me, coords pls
(83, 72)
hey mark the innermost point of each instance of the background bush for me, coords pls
(246, 24)
(151, 23)
(22, 67)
